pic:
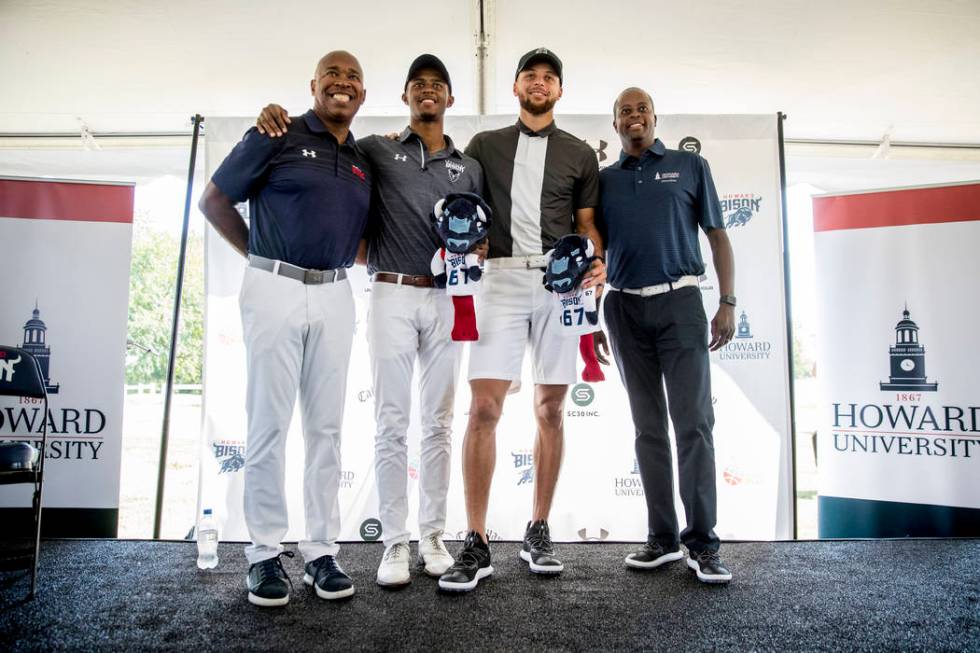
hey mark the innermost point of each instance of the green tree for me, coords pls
(804, 366)
(152, 288)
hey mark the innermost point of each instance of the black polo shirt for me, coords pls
(534, 182)
(652, 208)
(309, 195)
(408, 181)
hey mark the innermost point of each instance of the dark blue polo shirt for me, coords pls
(652, 208)
(309, 195)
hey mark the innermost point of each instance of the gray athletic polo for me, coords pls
(408, 181)
(534, 182)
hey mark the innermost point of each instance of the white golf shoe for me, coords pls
(433, 556)
(393, 569)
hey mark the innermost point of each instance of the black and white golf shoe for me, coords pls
(471, 566)
(708, 567)
(538, 551)
(268, 583)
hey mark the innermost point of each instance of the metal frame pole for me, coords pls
(171, 362)
(481, 56)
(780, 117)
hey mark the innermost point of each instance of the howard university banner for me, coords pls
(64, 289)
(899, 450)
(599, 495)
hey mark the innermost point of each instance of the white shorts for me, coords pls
(512, 310)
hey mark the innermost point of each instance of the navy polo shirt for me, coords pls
(651, 208)
(309, 195)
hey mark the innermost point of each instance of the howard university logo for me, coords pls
(35, 343)
(908, 359)
(745, 346)
(904, 424)
(739, 208)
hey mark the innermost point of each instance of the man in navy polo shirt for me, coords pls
(309, 195)
(409, 318)
(653, 202)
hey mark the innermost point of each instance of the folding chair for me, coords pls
(21, 462)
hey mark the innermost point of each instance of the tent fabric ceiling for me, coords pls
(840, 70)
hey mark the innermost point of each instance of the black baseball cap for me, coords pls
(538, 55)
(428, 61)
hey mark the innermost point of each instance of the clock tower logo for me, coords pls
(908, 359)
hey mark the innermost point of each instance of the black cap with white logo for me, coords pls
(428, 61)
(539, 55)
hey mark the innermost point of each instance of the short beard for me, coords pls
(536, 110)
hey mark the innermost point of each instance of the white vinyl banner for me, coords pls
(64, 289)
(599, 495)
(899, 445)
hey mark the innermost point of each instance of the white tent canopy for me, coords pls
(841, 71)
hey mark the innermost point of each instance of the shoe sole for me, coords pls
(398, 583)
(653, 564)
(713, 579)
(267, 603)
(263, 602)
(466, 587)
(541, 569)
(433, 573)
(323, 594)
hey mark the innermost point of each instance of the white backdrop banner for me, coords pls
(899, 446)
(599, 495)
(65, 299)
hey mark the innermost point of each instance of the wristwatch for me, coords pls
(727, 299)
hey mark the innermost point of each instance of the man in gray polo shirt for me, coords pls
(409, 318)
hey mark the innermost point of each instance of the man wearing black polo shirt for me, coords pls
(542, 183)
(309, 195)
(409, 317)
(653, 202)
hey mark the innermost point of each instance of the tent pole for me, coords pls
(171, 362)
(481, 56)
(780, 117)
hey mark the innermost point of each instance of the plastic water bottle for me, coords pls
(207, 541)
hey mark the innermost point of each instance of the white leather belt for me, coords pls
(658, 289)
(303, 275)
(517, 262)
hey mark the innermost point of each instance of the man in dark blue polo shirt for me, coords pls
(410, 319)
(309, 195)
(654, 200)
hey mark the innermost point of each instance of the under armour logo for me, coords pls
(310, 153)
(401, 157)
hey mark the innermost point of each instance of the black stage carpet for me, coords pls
(917, 595)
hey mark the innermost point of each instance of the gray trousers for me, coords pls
(663, 340)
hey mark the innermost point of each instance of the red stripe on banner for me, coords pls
(60, 200)
(897, 208)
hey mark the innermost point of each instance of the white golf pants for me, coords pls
(297, 337)
(406, 323)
